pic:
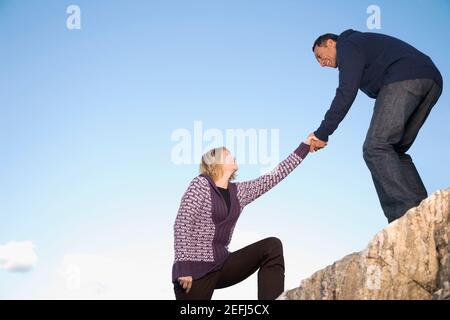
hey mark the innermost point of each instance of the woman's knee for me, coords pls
(274, 245)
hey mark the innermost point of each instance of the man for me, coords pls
(406, 85)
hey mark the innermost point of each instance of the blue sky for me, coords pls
(86, 118)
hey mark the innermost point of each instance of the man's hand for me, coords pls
(186, 283)
(316, 144)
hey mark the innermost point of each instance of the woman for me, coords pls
(204, 225)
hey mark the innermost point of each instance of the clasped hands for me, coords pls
(315, 143)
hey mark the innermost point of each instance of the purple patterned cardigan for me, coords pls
(203, 226)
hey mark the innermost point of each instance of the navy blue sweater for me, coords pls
(367, 61)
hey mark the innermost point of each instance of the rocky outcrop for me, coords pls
(409, 259)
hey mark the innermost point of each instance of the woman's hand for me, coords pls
(186, 283)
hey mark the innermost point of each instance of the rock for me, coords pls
(443, 293)
(409, 259)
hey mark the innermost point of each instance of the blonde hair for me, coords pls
(211, 163)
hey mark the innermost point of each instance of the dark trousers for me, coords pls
(265, 255)
(401, 109)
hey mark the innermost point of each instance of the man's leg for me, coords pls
(265, 255)
(400, 110)
(412, 127)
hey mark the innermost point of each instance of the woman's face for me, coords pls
(229, 162)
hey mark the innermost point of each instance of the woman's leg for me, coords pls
(265, 255)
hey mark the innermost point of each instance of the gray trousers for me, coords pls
(401, 109)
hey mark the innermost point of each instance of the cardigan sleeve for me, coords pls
(248, 191)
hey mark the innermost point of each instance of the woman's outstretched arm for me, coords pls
(248, 191)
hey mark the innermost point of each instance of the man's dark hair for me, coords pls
(320, 41)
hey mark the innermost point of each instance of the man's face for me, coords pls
(326, 55)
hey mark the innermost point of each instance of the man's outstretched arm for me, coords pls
(351, 66)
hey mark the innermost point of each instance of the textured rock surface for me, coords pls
(409, 259)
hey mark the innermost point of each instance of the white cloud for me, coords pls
(98, 276)
(129, 272)
(18, 256)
